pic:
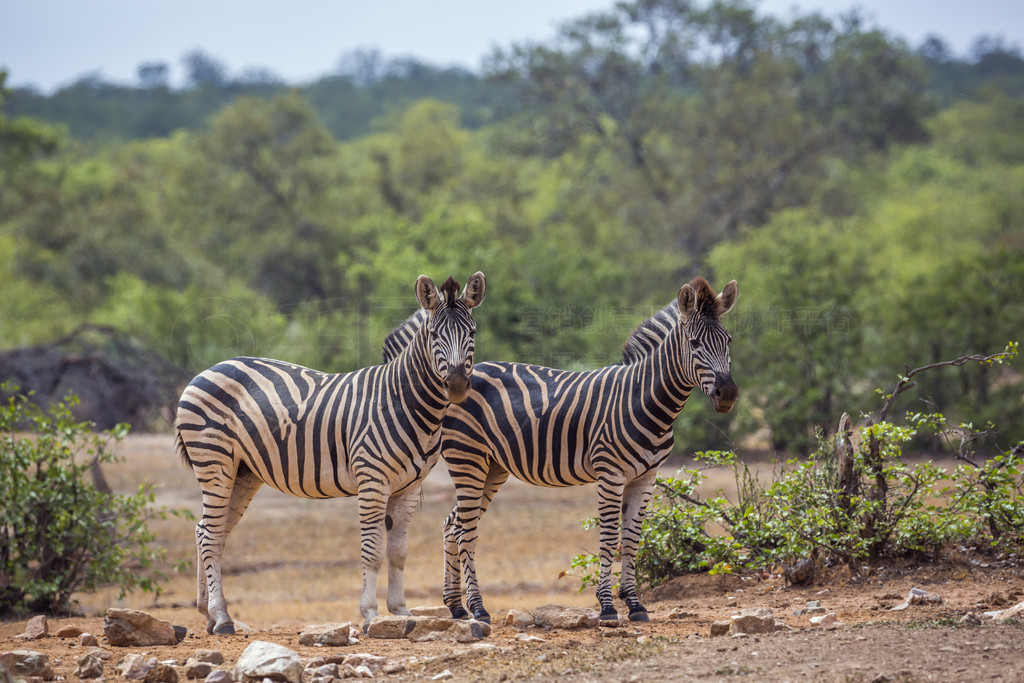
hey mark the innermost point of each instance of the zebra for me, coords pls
(372, 433)
(554, 428)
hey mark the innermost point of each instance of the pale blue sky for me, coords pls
(47, 43)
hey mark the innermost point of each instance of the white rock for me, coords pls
(518, 619)
(443, 676)
(527, 638)
(262, 660)
(824, 620)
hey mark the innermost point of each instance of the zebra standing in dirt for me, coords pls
(612, 426)
(373, 433)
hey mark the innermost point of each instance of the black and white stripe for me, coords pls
(372, 433)
(612, 426)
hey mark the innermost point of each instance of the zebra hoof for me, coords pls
(639, 615)
(227, 629)
(609, 615)
(459, 612)
(482, 615)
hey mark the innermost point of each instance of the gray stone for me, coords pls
(812, 607)
(919, 596)
(136, 666)
(100, 652)
(323, 671)
(518, 619)
(89, 666)
(263, 660)
(25, 663)
(386, 626)
(430, 611)
(88, 640)
(220, 676)
(197, 669)
(361, 671)
(211, 656)
(161, 673)
(453, 630)
(752, 621)
(180, 632)
(680, 613)
(373, 662)
(329, 635)
(970, 619)
(134, 628)
(720, 628)
(561, 616)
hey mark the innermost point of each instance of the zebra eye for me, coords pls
(695, 344)
(433, 334)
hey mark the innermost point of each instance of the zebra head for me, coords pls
(706, 346)
(451, 329)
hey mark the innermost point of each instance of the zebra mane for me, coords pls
(707, 301)
(399, 338)
(649, 334)
(450, 291)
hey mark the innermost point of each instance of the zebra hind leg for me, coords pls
(635, 498)
(225, 500)
(453, 567)
(399, 512)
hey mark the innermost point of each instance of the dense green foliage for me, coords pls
(59, 534)
(872, 217)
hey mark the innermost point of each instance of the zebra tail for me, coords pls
(179, 447)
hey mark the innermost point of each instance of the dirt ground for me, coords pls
(281, 577)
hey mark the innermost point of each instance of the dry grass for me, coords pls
(293, 559)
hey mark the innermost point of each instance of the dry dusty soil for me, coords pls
(292, 563)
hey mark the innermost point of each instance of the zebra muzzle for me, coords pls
(724, 394)
(457, 385)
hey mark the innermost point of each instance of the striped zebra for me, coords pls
(612, 426)
(373, 433)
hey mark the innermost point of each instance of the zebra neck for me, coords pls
(663, 376)
(413, 380)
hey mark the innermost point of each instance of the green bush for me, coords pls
(58, 534)
(849, 502)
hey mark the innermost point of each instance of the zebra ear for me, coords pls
(687, 300)
(476, 288)
(727, 299)
(427, 293)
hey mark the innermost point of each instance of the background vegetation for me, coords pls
(868, 197)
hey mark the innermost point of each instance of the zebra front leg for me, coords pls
(609, 501)
(635, 498)
(453, 567)
(372, 512)
(400, 509)
(471, 510)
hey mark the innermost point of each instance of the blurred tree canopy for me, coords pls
(869, 199)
